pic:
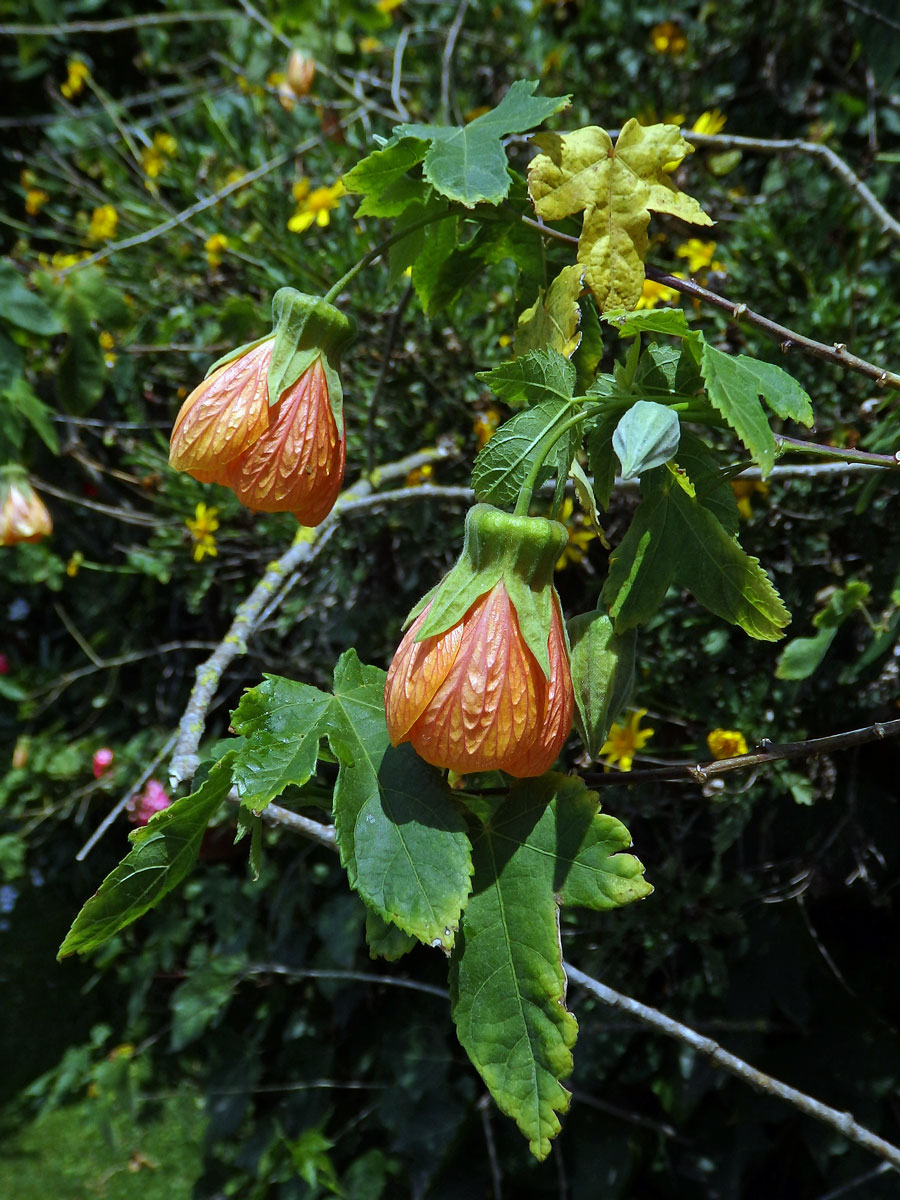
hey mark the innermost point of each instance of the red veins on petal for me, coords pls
(297, 465)
(475, 699)
(223, 417)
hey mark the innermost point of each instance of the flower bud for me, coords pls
(481, 680)
(301, 71)
(23, 515)
(102, 761)
(142, 806)
(268, 420)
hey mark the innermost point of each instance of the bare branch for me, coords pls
(843, 1122)
(116, 25)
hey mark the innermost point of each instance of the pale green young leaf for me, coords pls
(502, 466)
(646, 437)
(671, 321)
(163, 852)
(734, 392)
(401, 834)
(468, 163)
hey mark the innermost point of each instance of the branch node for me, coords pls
(786, 346)
(840, 347)
(699, 774)
(764, 746)
(878, 730)
(738, 310)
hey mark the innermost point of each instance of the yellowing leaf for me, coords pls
(552, 321)
(615, 187)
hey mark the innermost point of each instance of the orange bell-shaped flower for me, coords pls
(23, 514)
(489, 687)
(267, 421)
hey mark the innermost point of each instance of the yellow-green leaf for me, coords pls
(552, 321)
(615, 187)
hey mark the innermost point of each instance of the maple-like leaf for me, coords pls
(616, 187)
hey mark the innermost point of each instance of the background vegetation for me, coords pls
(220, 1048)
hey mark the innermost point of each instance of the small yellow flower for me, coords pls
(653, 293)
(79, 71)
(35, 199)
(314, 206)
(668, 38)
(743, 490)
(504, 340)
(214, 247)
(369, 45)
(625, 741)
(726, 743)
(74, 563)
(203, 526)
(699, 254)
(104, 221)
(387, 6)
(580, 536)
(649, 116)
(154, 157)
(485, 423)
(710, 122)
(420, 475)
(107, 345)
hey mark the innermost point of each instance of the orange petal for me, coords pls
(492, 700)
(223, 417)
(417, 671)
(297, 465)
(558, 712)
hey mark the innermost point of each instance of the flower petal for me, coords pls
(223, 417)
(417, 671)
(541, 754)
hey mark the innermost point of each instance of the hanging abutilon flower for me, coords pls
(481, 680)
(268, 420)
(23, 514)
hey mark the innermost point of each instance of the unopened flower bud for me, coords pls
(102, 761)
(300, 73)
(481, 679)
(23, 515)
(268, 420)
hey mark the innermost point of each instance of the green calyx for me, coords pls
(602, 664)
(303, 329)
(520, 551)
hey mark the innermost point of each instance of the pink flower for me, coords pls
(102, 761)
(153, 799)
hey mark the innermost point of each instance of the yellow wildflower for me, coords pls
(387, 6)
(699, 254)
(107, 345)
(504, 340)
(726, 743)
(668, 38)
(420, 475)
(203, 526)
(710, 122)
(74, 563)
(743, 490)
(274, 79)
(649, 116)
(79, 71)
(104, 221)
(214, 247)
(625, 741)
(485, 423)
(314, 206)
(580, 536)
(369, 45)
(653, 293)
(154, 156)
(35, 199)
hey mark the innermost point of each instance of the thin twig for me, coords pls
(447, 65)
(305, 547)
(843, 1122)
(485, 1107)
(789, 338)
(117, 24)
(818, 150)
(397, 73)
(274, 814)
(334, 973)
(117, 808)
(766, 752)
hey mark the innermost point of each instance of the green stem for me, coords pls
(335, 290)
(783, 444)
(545, 445)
